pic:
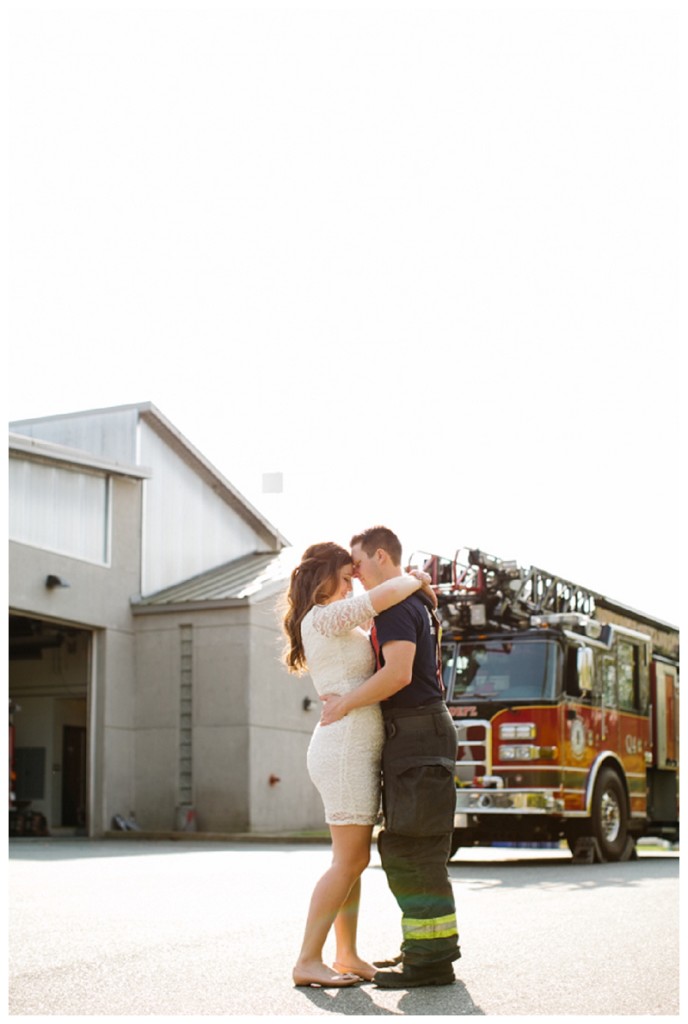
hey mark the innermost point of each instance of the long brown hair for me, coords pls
(312, 582)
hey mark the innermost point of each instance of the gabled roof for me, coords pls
(193, 458)
(169, 433)
(232, 582)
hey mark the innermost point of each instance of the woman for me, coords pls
(324, 636)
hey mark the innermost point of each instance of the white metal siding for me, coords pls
(188, 528)
(111, 435)
(61, 510)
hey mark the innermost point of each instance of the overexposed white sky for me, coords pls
(422, 258)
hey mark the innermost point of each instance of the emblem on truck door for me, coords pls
(577, 737)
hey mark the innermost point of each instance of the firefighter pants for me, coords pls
(418, 801)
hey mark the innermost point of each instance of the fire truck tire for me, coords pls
(609, 815)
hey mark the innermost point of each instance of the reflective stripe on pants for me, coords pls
(430, 927)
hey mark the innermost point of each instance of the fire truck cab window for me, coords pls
(608, 680)
(628, 675)
(504, 670)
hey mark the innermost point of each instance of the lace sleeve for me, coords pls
(342, 616)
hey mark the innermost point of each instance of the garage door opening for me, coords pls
(49, 678)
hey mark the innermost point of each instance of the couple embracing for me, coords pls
(374, 660)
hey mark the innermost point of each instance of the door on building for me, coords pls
(74, 776)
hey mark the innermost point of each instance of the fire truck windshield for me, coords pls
(503, 670)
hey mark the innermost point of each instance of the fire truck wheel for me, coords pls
(609, 816)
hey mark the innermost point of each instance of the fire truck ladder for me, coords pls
(542, 592)
(510, 594)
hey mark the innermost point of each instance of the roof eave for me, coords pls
(47, 451)
(192, 456)
(206, 604)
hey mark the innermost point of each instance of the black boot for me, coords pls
(415, 976)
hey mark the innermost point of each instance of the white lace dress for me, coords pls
(344, 758)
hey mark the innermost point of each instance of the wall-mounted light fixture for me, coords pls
(53, 581)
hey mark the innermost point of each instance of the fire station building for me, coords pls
(144, 674)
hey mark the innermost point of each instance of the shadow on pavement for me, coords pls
(446, 1000)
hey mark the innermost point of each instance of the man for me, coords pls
(418, 760)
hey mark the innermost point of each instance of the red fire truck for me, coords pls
(566, 710)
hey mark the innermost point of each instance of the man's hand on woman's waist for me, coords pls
(334, 708)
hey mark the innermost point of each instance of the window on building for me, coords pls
(60, 509)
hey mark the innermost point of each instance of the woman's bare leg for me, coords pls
(345, 928)
(350, 856)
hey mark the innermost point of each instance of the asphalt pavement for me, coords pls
(166, 928)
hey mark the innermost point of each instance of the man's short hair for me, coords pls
(379, 537)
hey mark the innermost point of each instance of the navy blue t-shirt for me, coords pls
(411, 620)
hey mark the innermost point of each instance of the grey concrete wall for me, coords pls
(220, 668)
(248, 722)
(280, 731)
(155, 764)
(157, 721)
(221, 778)
(117, 734)
(221, 701)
